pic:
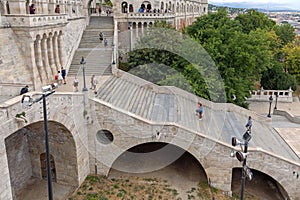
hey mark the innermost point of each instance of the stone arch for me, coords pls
(148, 157)
(25, 146)
(260, 181)
(124, 7)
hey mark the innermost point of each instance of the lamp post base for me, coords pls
(269, 115)
(84, 89)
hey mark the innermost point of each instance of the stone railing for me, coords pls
(288, 115)
(35, 20)
(264, 95)
(150, 15)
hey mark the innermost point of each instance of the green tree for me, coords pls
(240, 57)
(276, 79)
(285, 32)
(254, 20)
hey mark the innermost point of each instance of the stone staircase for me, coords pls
(161, 105)
(97, 56)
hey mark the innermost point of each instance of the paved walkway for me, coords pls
(289, 131)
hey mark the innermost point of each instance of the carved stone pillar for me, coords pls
(55, 51)
(51, 55)
(61, 51)
(44, 7)
(36, 78)
(39, 60)
(45, 59)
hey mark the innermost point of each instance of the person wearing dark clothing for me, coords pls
(249, 124)
(63, 74)
(32, 9)
(24, 90)
(101, 36)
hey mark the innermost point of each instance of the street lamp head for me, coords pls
(49, 88)
(82, 61)
(270, 99)
(241, 156)
(247, 136)
(235, 142)
(249, 174)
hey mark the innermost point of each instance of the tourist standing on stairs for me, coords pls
(249, 124)
(101, 36)
(93, 82)
(75, 84)
(105, 42)
(199, 110)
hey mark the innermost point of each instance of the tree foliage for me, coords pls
(236, 55)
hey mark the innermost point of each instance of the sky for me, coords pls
(293, 4)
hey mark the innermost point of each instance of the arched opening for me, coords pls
(7, 8)
(262, 186)
(130, 8)
(124, 7)
(162, 6)
(25, 151)
(43, 160)
(158, 160)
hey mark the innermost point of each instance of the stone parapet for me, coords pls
(35, 20)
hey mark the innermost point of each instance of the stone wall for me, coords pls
(18, 157)
(129, 130)
(14, 69)
(72, 37)
(66, 109)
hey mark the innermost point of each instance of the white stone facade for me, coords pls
(177, 12)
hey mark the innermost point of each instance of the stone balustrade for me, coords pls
(36, 20)
(150, 15)
(264, 95)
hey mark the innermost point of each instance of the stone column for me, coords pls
(44, 7)
(50, 54)
(61, 52)
(45, 59)
(17, 6)
(55, 51)
(142, 27)
(137, 30)
(39, 60)
(30, 55)
(5, 189)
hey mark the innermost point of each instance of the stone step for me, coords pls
(113, 92)
(141, 101)
(121, 96)
(134, 100)
(130, 94)
(105, 85)
(97, 57)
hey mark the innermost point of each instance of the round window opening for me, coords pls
(104, 136)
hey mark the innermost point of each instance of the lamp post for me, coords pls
(28, 101)
(83, 74)
(276, 95)
(242, 157)
(270, 101)
(113, 53)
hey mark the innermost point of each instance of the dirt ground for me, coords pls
(183, 179)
